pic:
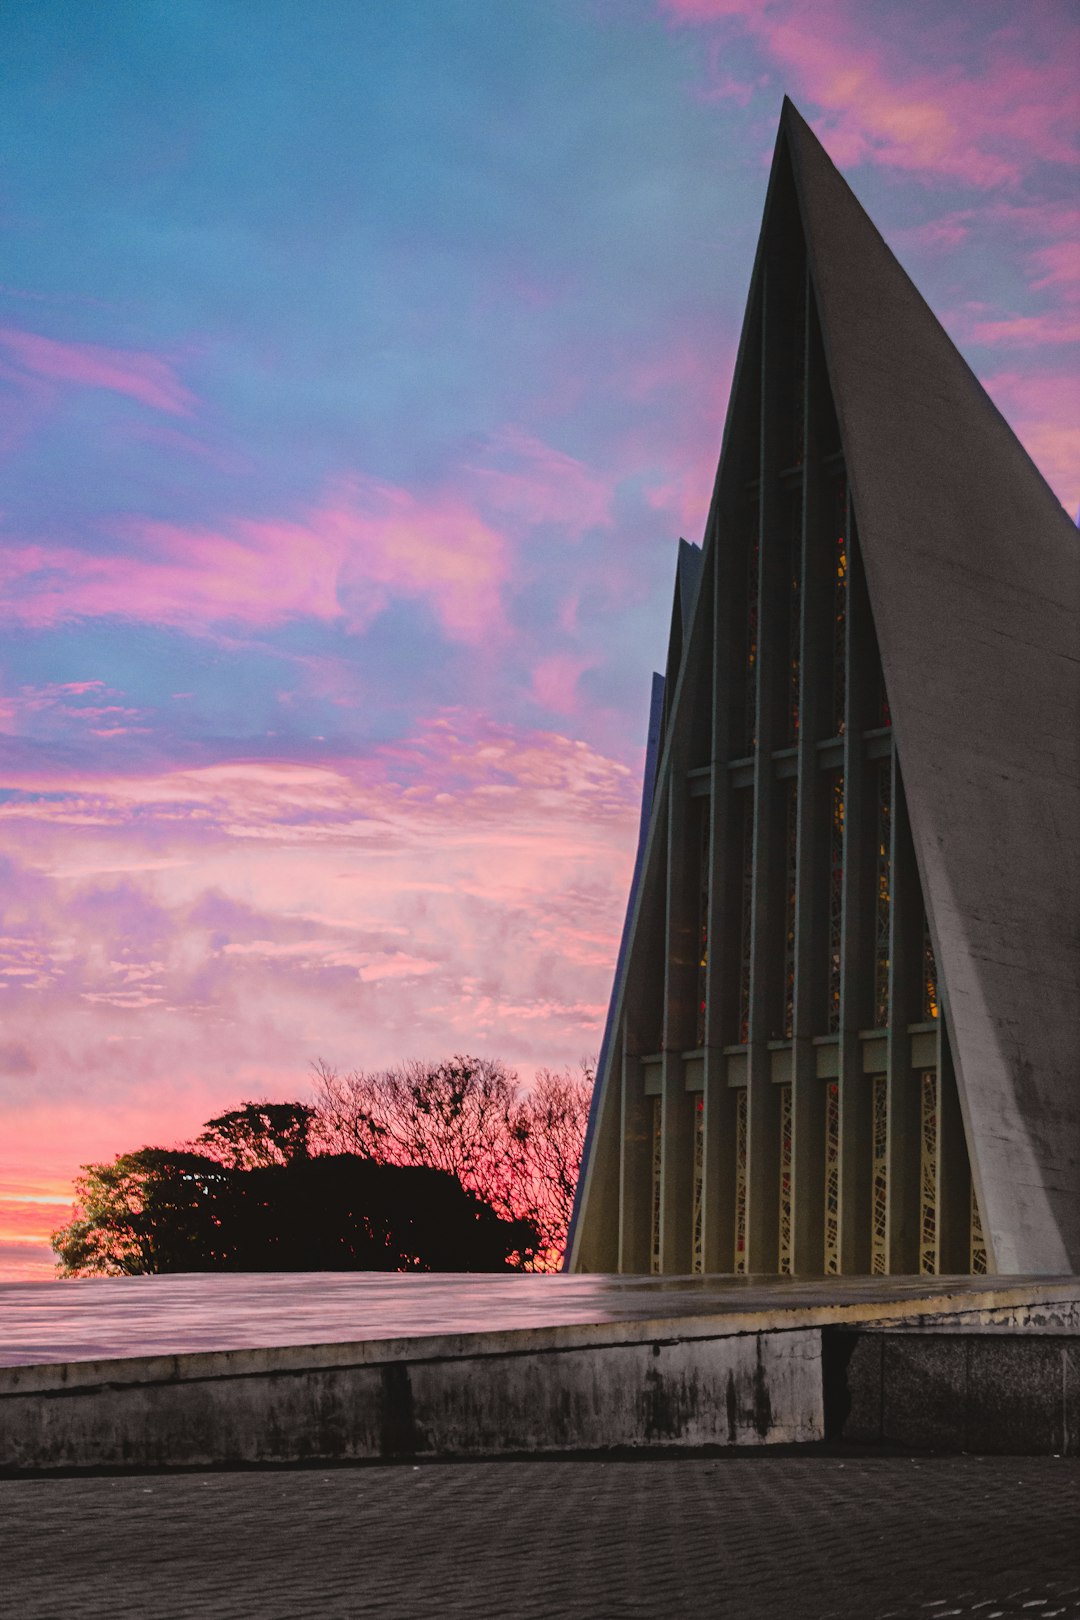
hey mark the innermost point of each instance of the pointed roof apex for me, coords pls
(792, 122)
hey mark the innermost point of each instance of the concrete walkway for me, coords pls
(750, 1538)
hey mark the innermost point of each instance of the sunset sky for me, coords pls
(361, 362)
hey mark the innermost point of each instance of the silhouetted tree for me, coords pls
(519, 1151)
(255, 1134)
(161, 1210)
(147, 1211)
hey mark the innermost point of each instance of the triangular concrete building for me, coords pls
(845, 1028)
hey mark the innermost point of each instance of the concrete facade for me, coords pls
(844, 1033)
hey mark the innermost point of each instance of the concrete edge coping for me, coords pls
(962, 1328)
(64, 1377)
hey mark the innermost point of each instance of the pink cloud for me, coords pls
(460, 890)
(979, 116)
(1048, 326)
(43, 709)
(1058, 264)
(145, 377)
(946, 233)
(1045, 414)
(684, 364)
(29, 1220)
(368, 544)
(555, 679)
(539, 484)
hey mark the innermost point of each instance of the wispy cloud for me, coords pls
(1045, 412)
(969, 107)
(347, 560)
(517, 473)
(141, 376)
(170, 944)
(71, 707)
(1048, 327)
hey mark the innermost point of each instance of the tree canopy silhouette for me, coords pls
(266, 1203)
(518, 1151)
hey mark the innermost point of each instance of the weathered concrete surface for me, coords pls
(993, 1391)
(102, 1318)
(677, 1362)
(231, 1408)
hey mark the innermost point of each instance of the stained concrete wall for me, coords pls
(239, 1407)
(989, 1391)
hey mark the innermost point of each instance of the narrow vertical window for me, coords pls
(798, 371)
(883, 895)
(791, 864)
(929, 975)
(978, 1241)
(928, 1174)
(785, 1179)
(740, 1179)
(753, 570)
(703, 922)
(879, 1194)
(746, 918)
(836, 897)
(832, 1178)
(657, 1141)
(697, 1248)
(794, 618)
(840, 607)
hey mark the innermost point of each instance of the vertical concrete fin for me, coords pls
(973, 573)
(601, 1086)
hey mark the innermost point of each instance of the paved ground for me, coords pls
(751, 1538)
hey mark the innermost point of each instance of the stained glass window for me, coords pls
(978, 1241)
(657, 1142)
(697, 1251)
(879, 1253)
(883, 895)
(832, 1178)
(929, 975)
(741, 1120)
(928, 1177)
(836, 897)
(785, 1179)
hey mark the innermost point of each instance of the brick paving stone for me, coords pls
(810, 1537)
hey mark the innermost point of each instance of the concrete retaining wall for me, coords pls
(993, 1392)
(1001, 1377)
(237, 1408)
